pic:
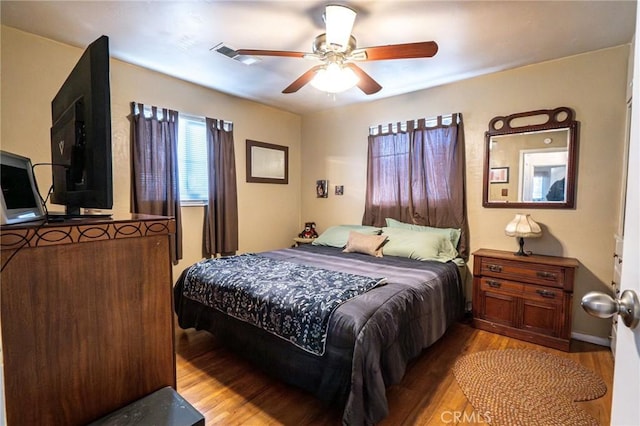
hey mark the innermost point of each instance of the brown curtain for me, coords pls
(221, 214)
(155, 189)
(418, 176)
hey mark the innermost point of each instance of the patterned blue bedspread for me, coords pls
(287, 299)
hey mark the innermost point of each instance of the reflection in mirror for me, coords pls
(532, 165)
(537, 163)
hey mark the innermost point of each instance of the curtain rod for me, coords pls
(202, 118)
(148, 112)
(402, 126)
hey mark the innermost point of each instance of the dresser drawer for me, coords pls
(543, 294)
(489, 284)
(521, 271)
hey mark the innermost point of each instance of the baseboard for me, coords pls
(602, 341)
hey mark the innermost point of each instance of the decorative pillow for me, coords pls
(337, 236)
(367, 244)
(418, 245)
(452, 233)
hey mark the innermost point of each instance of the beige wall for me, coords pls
(593, 84)
(34, 68)
(334, 147)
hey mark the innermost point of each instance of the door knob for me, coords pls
(602, 305)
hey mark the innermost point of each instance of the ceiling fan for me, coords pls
(337, 51)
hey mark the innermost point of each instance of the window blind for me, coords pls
(192, 157)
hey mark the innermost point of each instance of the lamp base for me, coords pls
(521, 252)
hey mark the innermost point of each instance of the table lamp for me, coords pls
(521, 227)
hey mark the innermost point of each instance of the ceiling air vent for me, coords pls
(231, 53)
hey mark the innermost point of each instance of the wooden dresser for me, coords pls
(525, 297)
(87, 318)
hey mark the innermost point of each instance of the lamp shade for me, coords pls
(339, 21)
(523, 226)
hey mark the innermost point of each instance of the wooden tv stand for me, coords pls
(87, 318)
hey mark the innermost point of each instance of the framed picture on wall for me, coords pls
(499, 175)
(322, 188)
(267, 162)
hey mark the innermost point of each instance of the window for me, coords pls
(389, 161)
(417, 176)
(192, 160)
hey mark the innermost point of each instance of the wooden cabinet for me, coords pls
(525, 297)
(87, 320)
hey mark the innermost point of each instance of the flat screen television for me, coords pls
(81, 135)
(19, 201)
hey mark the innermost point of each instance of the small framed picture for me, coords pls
(499, 175)
(339, 189)
(322, 189)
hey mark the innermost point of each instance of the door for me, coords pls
(540, 170)
(626, 379)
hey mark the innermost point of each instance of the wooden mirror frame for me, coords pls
(553, 119)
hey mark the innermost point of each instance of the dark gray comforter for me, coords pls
(289, 299)
(371, 337)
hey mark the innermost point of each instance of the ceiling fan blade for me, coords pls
(284, 53)
(423, 49)
(302, 80)
(365, 83)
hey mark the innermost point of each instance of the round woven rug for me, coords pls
(527, 387)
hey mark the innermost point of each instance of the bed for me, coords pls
(368, 339)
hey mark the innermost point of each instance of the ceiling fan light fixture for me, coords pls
(339, 21)
(336, 50)
(334, 78)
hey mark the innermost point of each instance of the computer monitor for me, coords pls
(81, 134)
(20, 201)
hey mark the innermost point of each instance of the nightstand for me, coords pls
(298, 241)
(525, 297)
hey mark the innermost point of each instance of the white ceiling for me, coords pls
(474, 38)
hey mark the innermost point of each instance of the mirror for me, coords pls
(530, 160)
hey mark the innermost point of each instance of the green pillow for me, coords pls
(418, 245)
(451, 233)
(337, 236)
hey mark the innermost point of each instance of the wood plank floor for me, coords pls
(229, 391)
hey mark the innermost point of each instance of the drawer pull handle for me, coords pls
(494, 284)
(546, 275)
(546, 293)
(494, 268)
